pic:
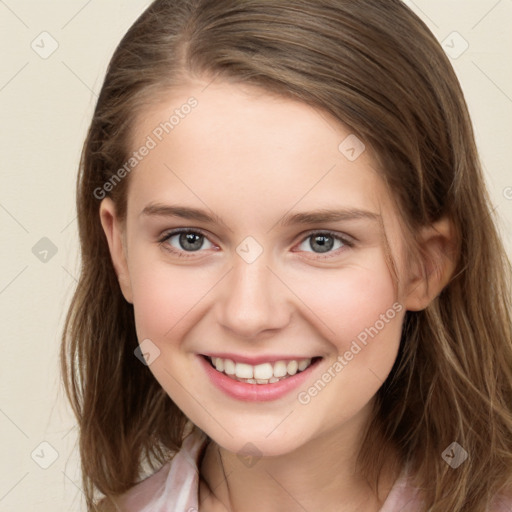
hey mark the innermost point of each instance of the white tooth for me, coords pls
(304, 363)
(263, 371)
(262, 381)
(229, 367)
(250, 381)
(292, 367)
(219, 363)
(244, 371)
(279, 369)
(272, 380)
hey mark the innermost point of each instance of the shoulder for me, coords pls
(404, 495)
(144, 493)
(502, 502)
(139, 497)
(176, 480)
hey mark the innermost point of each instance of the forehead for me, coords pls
(240, 147)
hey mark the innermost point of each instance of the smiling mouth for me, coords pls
(265, 373)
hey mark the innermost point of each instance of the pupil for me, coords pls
(190, 241)
(324, 243)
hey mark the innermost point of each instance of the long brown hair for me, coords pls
(376, 67)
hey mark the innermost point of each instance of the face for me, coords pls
(222, 264)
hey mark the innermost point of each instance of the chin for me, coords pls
(256, 443)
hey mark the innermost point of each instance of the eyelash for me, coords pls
(183, 254)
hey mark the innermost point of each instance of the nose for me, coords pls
(253, 300)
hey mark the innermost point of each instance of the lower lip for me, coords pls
(255, 392)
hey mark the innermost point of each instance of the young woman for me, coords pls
(293, 295)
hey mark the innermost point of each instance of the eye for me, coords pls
(182, 241)
(321, 242)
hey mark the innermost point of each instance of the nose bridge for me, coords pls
(254, 299)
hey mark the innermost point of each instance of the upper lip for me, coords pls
(257, 360)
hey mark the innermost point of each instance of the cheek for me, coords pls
(365, 320)
(350, 300)
(167, 297)
(161, 297)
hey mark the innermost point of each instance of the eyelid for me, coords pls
(347, 240)
(176, 231)
(344, 237)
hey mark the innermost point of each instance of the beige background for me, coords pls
(46, 105)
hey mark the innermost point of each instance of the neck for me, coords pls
(319, 475)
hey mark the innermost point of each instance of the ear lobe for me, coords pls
(435, 266)
(114, 232)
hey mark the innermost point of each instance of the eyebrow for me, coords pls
(313, 217)
(326, 215)
(184, 212)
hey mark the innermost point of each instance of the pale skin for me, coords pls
(250, 158)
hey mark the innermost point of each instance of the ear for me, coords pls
(434, 267)
(115, 233)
